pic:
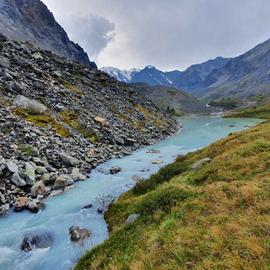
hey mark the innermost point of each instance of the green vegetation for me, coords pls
(225, 103)
(216, 217)
(72, 88)
(45, 120)
(72, 119)
(261, 111)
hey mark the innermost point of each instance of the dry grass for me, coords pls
(213, 218)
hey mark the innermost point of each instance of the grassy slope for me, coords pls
(214, 218)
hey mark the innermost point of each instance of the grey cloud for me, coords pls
(92, 32)
(170, 34)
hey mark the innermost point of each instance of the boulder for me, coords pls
(29, 104)
(33, 206)
(100, 120)
(17, 180)
(197, 165)
(77, 234)
(21, 203)
(62, 181)
(30, 174)
(77, 175)
(31, 241)
(115, 170)
(41, 170)
(68, 160)
(37, 189)
(11, 166)
(132, 218)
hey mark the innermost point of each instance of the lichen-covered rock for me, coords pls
(29, 105)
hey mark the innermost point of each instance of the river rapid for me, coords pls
(65, 210)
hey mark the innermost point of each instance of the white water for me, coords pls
(65, 210)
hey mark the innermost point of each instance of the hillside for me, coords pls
(59, 119)
(243, 77)
(172, 100)
(31, 20)
(212, 216)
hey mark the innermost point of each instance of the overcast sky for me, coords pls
(170, 34)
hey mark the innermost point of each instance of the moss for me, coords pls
(27, 150)
(72, 119)
(72, 88)
(45, 120)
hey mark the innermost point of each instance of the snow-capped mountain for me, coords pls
(121, 75)
(189, 80)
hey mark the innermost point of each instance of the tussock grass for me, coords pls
(217, 217)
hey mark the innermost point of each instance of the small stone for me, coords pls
(132, 218)
(100, 120)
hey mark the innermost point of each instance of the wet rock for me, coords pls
(132, 218)
(197, 165)
(21, 203)
(115, 170)
(33, 206)
(153, 151)
(88, 206)
(37, 241)
(157, 161)
(77, 234)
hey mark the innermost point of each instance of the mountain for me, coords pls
(186, 80)
(192, 78)
(64, 119)
(243, 77)
(172, 100)
(31, 20)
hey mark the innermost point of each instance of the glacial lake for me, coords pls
(65, 210)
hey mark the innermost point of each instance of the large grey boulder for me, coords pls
(17, 180)
(31, 241)
(69, 160)
(76, 233)
(62, 181)
(29, 104)
(197, 165)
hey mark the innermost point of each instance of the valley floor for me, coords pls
(213, 217)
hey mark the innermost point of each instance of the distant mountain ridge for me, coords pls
(188, 80)
(31, 20)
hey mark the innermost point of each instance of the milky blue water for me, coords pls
(65, 210)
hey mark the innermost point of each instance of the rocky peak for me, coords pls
(31, 20)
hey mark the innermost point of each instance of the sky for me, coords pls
(169, 34)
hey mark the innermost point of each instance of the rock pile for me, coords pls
(58, 120)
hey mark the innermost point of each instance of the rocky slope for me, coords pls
(243, 77)
(59, 119)
(31, 20)
(172, 100)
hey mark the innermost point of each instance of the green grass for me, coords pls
(217, 217)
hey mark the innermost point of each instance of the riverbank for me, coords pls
(208, 209)
(68, 209)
